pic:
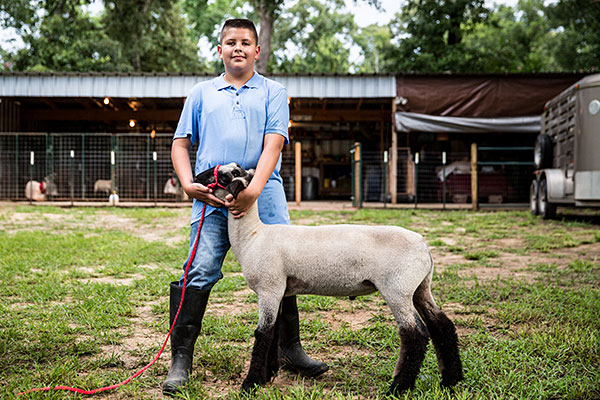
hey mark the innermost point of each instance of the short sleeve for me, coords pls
(278, 113)
(190, 117)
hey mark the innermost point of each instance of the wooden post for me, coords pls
(298, 168)
(474, 180)
(394, 157)
(357, 178)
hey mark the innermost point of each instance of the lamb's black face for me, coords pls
(234, 177)
(229, 171)
(231, 176)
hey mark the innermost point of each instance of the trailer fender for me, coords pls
(555, 183)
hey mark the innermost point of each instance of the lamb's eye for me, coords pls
(235, 173)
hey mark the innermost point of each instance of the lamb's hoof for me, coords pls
(451, 380)
(250, 386)
(395, 391)
(271, 372)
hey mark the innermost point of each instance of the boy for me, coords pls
(240, 117)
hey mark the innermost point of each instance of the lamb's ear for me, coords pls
(236, 186)
(250, 174)
(205, 177)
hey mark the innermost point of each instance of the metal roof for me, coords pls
(25, 84)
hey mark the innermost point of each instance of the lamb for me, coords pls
(103, 185)
(38, 191)
(340, 260)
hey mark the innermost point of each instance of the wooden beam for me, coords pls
(474, 181)
(394, 157)
(298, 168)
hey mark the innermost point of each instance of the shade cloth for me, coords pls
(414, 122)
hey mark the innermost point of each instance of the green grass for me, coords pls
(84, 302)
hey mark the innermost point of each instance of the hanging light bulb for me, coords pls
(132, 123)
(106, 101)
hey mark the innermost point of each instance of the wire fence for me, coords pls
(89, 167)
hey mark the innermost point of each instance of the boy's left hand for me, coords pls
(240, 206)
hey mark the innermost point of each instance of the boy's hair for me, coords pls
(239, 23)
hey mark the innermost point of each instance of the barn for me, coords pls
(79, 128)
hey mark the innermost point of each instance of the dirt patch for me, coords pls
(114, 280)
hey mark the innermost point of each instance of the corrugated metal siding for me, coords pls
(97, 85)
(170, 86)
(339, 86)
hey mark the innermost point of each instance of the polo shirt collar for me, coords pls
(253, 82)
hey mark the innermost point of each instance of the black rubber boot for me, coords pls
(184, 335)
(291, 353)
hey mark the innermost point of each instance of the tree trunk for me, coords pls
(267, 17)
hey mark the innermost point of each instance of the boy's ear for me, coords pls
(236, 187)
(256, 56)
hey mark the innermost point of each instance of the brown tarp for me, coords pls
(484, 96)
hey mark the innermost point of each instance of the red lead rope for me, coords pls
(103, 389)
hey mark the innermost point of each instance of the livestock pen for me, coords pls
(137, 166)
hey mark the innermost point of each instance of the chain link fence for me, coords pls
(89, 167)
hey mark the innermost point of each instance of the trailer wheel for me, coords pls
(546, 209)
(533, 197)
(543, 152)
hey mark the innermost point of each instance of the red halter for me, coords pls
(216, 182)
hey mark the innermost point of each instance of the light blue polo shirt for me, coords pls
(229, 126)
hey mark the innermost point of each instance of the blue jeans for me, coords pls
(213, 244)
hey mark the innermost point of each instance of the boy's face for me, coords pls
(238, 50)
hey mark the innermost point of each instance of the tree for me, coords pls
(153, 35)
(432, 32)
(61, 38)
(269, 11)
(577, 27)
(377, 49)
(312, 37)
(516, 39)
(131, 35)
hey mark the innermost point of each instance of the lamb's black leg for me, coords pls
(273, 356)
(445, 341)
(257, 375)
(268, 305)
(412, 353)
(443, 335)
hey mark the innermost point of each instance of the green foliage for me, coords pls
(375, 42)
(317, 33)
(153, 37)
(576, 25)
(74, 43)
(432, 34)
(62, 36)
(309, 36)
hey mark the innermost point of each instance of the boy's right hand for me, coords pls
(202, 193)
